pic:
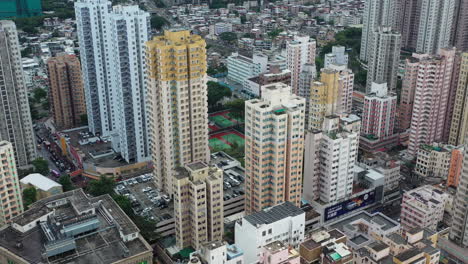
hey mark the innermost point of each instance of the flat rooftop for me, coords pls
(378, 218)
(274, 214)
(103, 244)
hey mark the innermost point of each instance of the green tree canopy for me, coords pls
(66, 183)
(124, 203)
(41, 166)
(105, 185)
(274, 33)
(39, 94)
(158, 22)
(228, 36)
(237, 108)
(216, 92)
(29, 196)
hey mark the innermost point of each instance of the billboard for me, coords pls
(349, 205)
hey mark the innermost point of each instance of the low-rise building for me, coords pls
(44, 186)
(283, 222)
(74, 228)
(277, 253)
(217, 252)
(423, 207)
(242, 67)
(440, 161)
(326, 247)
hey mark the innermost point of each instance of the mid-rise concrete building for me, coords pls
(378, 13)
(12, 203)
(242, 67)
(432, 87)
(435, 25)
(338, 56)
(326, 247)
(15, 121)
(459, 228)
(112, 41)
(306, 78)
(423, 207)
(215, 252)
(378, 118)
(459, 122)
(252, 86)
(331, 151)
(384, 58)
(283, 222)
(439, 161)
(66, 91)
(274, 139)
(299, 51)
(198, 204)
(63, 227)
(278, 252)
(177, 103)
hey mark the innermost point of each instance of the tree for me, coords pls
(216, 92)
(237, 108)
(41, 166)
(39, 94)
(158, 22)
(26, 52)
(274, 33)
(228, 36)
(124, 203)
(243, 19)
(248, 35)
(147, 227)
(66, 183)
(29, 196)
(105, 185)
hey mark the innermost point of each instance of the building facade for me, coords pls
(377, 13)
(338, 56)
(459, 228)
(113, 61)
(66, 91)
(177, 103)
(460, 26)
(274, 138)
(378, 118)
(432, 89)
(241, 67)
(423, 207)
(383, 57)
(15, 122)
(283, 222)
(440, 161)
(12, 202)
(306, 78)
(459, 122)
(198, 204)
(410, 11)
(435, 25)
(299, 51)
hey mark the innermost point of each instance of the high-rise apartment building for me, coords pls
(384, 58)
(306, 78)
(330, 156)
(377, 13)
(332, 95)
(460, 25)
(378, 117)
(274, 139)
(409, 16)
(113, 61)
(439, 160)
(177, 103)
(459, 228)
(435, 25)
(459, 122)
(12, 203)
(15, 120)
(433, 85)
(299, 51)
(66, 91)
(198, 204)
(338, 56)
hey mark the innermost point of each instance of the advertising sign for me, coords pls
(349, 205)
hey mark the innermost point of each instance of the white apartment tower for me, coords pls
(435, 25)
(330, 156)
(113, 62)
(274, 139)
(338, 56)
(377, 13)
(299, 51)
(384, 58)
(177, 103)
(12, 203)
(15, 120)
